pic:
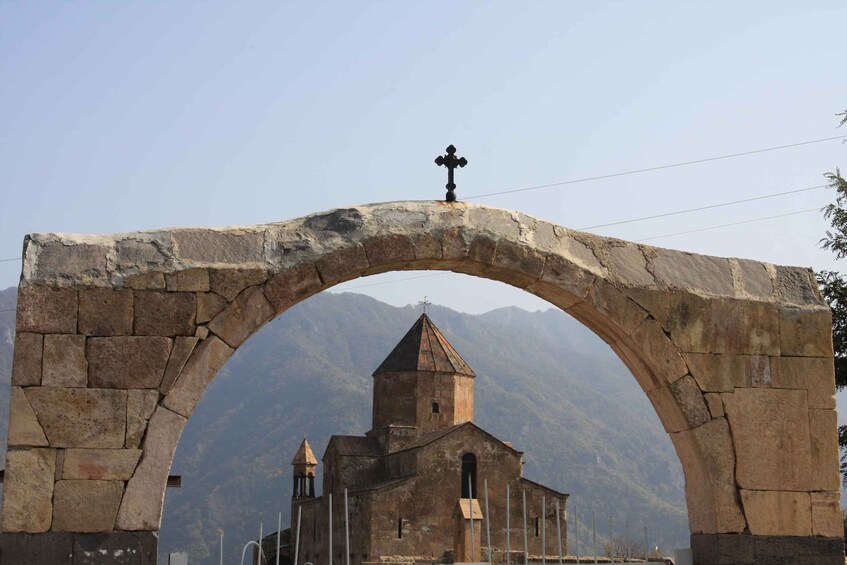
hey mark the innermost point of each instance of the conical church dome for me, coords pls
(304, 455)
(424, 348)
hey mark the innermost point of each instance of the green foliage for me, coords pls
(834, 287)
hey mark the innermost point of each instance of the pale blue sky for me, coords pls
(120, 116)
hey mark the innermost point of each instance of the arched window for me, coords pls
(469, 472)
(436, 409)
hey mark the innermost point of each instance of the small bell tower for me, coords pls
(304, 464)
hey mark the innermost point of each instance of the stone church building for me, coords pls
(409, 479)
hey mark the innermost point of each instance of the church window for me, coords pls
(468, 472)
(400, 527)
(436, 409)
(537, 524)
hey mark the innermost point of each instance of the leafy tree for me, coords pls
(834, 287)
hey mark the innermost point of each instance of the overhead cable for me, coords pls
(656, 168)
(709, 207)
(729, 225)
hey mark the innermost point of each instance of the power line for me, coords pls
(729, 225)
(656, 168)
(709, 207)
(10, 259)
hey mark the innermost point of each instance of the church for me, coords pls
(425, 484)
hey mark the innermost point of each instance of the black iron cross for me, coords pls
(451, 162)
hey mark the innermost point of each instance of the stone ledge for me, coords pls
(68, 548)
(747, 549)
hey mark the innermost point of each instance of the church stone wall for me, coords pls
(118, 336)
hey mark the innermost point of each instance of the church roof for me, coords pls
(356, 446)
(438, 434)
(424, 348)
(304, 455)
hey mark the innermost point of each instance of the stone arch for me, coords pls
(118, 336)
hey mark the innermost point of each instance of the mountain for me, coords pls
(544, 382)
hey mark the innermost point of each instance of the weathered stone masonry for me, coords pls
(118, 336)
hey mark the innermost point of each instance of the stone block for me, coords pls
(813, 374)
(288, 287)
(676, 405)
(36, 549)
(127, 362)
(770, 430)
(496, 220)
(141, 507)
(690, 401)
(165, 313)
(723, 549)
(105, 312)
(714, 325)
(99, 464)
(77, 262)
(827, 520)
(230, 282)
(78, 417)
(607, 312)
(426, 246)
(45, 309)
(150, 280)
(518, 263)
(626, 264)
(26, 366)
(24, 429)
(198, 372)
(723, 373)
(120, 548)
(715, 404)
(189, 280)
(64, 361)
(482, 250)
(183, 346)
(823, 428)
(658, 352)
(250, 311)
(388, 253)
(137, 254)
(797, 285)
(209, 305)
(752, 280)
(343, 264)
(694, 273)
(706, 453)
(140, 405)
(233, 247)
(777, 513)
(567, 282)
(28, 490)
(86, 506)
(454, 246)
(800, 550)
(805, 332)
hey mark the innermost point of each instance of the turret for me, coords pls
(304, 464)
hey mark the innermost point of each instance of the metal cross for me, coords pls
(424, 304)
(451, 162)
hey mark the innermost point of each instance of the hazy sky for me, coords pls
(119, 116)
